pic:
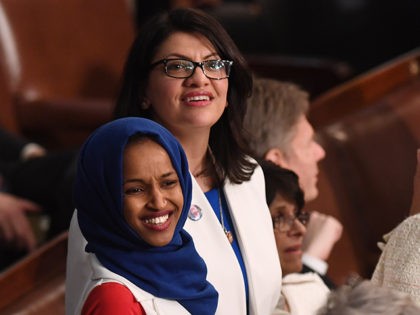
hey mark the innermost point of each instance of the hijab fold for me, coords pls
(175, 271)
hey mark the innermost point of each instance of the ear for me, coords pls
(276, 156)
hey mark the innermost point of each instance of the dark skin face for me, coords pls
(153, 198)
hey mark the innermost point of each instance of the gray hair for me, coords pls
(365, 297)
(272, 113)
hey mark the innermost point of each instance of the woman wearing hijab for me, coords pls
(184, 72)
(133, 193)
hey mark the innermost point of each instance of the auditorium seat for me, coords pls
(369, 127)
(7, 117)
(62, 61)
(35, 285)
(315, 75)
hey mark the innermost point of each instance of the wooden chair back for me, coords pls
(35, 285)
(370, 130)
(62, 56)
(315, 75)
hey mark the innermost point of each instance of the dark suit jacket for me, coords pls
(47, 180)
(10, 146)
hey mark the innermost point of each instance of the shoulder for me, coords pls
(411, 223)
(407, 233)
(307, 283)
(256, 173)
(398, 265)
(111, 298)
(257, 181)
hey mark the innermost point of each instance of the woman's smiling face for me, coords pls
(153, 198)
(183, 105)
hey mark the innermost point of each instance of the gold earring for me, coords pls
(145, 104)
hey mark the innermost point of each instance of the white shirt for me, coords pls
(304, 293)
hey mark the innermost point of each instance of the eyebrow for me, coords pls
(283, 209)
(174, 55)
(279, 210)
(163, 176)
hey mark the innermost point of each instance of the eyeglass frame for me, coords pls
(289, 221)
(195, 64)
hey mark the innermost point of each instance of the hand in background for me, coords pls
(322, 232)
(415, 204)
(32, 150)
(15, 229)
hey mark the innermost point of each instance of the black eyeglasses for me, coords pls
(282, 223)
(182, 68)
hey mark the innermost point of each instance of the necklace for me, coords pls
(229, 234)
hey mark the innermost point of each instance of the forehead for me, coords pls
(189, 45)
(145, 144)
(283, 204)
(146, 157)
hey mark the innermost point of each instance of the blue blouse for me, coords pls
(213, 198)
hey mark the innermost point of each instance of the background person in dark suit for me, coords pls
(32, 181)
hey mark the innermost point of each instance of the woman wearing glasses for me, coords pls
(185, 72)
(301, 293)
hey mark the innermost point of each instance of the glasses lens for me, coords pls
(303, 217)
(279, 223)
(179, 68)
(217, 69)
(284, 224)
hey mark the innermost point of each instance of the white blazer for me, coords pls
(152, 305)
(253, 227)
(305, 293)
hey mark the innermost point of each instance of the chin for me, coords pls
(311, 195)
(295, 268)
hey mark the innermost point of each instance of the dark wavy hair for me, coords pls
(282, 181)
(227, 141)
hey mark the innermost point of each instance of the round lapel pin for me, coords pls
(195, 213)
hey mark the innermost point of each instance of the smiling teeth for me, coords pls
(157, 220)
(198, 98)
